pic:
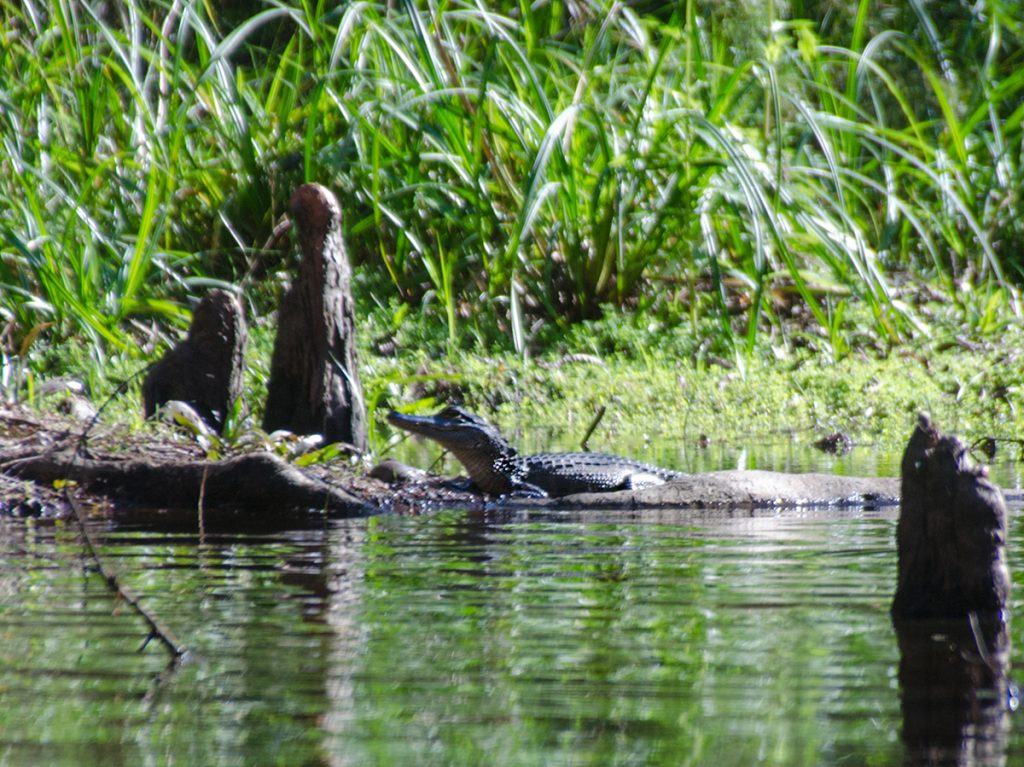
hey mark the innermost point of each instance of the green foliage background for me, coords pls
(735, 168)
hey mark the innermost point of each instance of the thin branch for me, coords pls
(157, 628)
(593, 425)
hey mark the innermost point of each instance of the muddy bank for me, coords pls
(132, 474)
(162, 476)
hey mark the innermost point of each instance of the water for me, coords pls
(701, 638)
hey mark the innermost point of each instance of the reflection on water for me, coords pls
(465, 638)
(955, 691)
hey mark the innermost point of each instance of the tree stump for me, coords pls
(951, 532)
(314, 379)
(204, 370)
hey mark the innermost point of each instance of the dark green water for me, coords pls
(465, 638)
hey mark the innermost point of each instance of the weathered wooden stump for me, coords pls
(204, 370)
(314, 379)
(949, 609)
(951, 532)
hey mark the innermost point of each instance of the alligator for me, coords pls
(496, 468)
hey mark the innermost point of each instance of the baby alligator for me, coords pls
(495, 467)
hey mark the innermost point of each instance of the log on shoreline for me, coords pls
(260, 485)
(737, 489)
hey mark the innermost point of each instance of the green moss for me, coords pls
(666, 391)
(874, 400)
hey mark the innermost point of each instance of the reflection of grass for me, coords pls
(622, 639)
(513, 168)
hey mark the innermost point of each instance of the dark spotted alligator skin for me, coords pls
(495, 467)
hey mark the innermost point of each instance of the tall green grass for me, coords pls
(112, 178)
(517, 169)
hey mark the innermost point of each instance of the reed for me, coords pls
(515, 169)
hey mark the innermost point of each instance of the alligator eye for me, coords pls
(452, 413)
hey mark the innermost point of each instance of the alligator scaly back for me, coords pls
(496, 468)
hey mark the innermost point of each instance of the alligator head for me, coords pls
(479, 447)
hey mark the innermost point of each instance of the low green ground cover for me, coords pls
(650, 387)
(973, 389)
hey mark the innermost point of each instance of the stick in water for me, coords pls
(157, 629)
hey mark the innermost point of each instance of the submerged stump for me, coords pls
(951, 533)
(949, 610)
(314, 380)
(204, 370)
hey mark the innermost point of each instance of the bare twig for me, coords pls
(593, 425)
(157, 629)
(83, 438)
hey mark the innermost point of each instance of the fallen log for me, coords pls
(259, 485)
(165, 474)
(742, 490)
